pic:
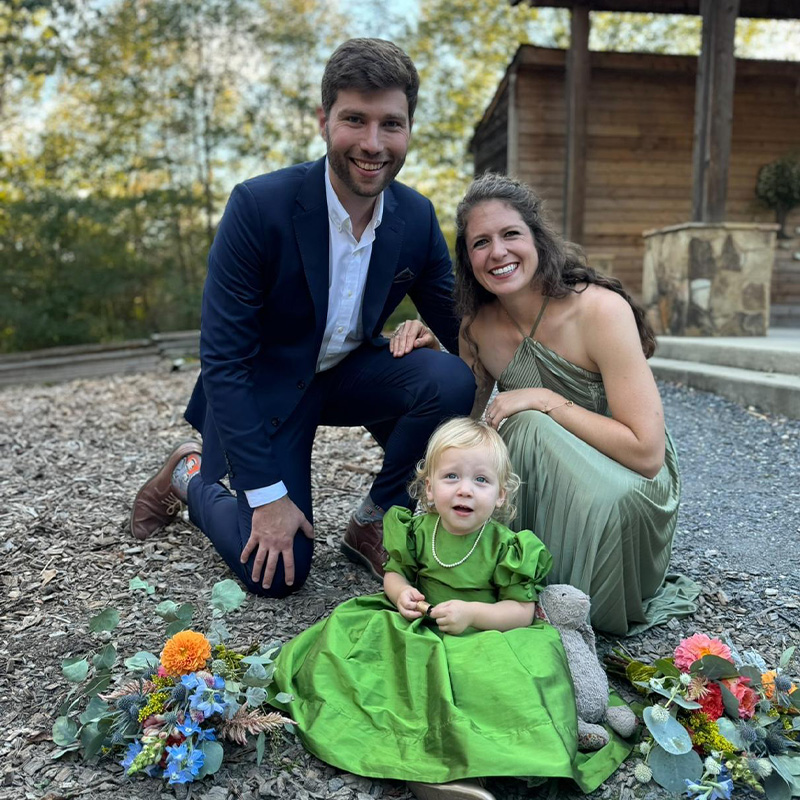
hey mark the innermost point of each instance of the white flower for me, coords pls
(712, 766)
(660, 715)
(685, 678)
(645, 747)
(642, 773)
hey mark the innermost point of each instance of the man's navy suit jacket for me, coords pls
(265, 306)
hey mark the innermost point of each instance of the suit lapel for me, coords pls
(311, 231)
(382, 264)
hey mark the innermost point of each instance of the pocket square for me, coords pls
(404, 275)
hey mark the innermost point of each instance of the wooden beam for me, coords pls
(713, 118)
(512, 131)
(577, 87)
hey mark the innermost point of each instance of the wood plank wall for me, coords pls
(639, 148)
(490, 144)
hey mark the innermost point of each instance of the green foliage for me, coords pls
(667, 732)
(778, 187)
(670, 770)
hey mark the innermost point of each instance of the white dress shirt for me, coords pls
(348, 262)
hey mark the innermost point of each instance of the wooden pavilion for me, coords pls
(619, 143)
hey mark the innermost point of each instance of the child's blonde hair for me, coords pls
(465, 433)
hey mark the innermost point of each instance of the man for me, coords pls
(307, 265)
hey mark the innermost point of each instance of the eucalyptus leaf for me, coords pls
(796, 724)
(749, 671)
(678, 699)
(256, 675)
(106, 620)
(788, 768)
(671, 735)
(97, 684)
(729, 701)
(75, 669)
(65, 731)
(730, 732)
(714, 668)
(776, 787)
(260, 741)
(284, 697)
(257, 659)
(141, 661)
(62, 751)
(227, 596)
(669, 770)
(92, 737)
(213, 753)
(94, 711)
(167, 610)
(667, 666)
(138, 583)
(233, 686)
(218, 633)
(786, 657)
(255, 696)
(185, 611)
(105, 658)
(178, 625)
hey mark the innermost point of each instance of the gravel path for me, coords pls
(72, 457)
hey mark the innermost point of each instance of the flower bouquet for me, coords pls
(167, 714)
(717, 718)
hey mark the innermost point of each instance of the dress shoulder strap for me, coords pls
(539, 317)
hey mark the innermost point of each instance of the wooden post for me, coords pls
(576, 101)
(713, 113)
(512, 129)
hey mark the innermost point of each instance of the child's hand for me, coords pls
(407, 602)
(453, 616)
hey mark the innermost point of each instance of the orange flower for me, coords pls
(768, 683)
(185, 652)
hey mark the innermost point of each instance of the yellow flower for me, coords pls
(185, 652)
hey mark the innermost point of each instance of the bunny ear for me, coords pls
(539, 613)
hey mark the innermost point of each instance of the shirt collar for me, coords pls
(337, 213)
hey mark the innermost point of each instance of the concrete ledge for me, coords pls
(758, 353)
(776, 393)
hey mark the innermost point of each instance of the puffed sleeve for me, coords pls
(521, 570)
(400, 542)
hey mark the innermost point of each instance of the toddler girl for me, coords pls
(446, 675)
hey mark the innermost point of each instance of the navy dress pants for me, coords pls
(399, 400)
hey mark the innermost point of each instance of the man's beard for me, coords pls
(340, 165)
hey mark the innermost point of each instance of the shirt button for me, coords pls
(301, 384)
(339, 329)
(276, 421)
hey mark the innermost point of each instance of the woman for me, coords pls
(579, 408)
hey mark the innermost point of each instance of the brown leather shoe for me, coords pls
(156, 504)
(457, 790)
(363, 544)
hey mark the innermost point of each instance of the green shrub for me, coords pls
(778, 187)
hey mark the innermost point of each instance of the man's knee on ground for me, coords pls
(451, 381)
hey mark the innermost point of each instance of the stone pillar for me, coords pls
(705, 279)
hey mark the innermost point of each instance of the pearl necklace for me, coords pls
(460, 561)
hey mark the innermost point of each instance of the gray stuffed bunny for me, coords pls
(567, 609)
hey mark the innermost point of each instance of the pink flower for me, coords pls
(746, 696)
(162, 673)
(697, 646)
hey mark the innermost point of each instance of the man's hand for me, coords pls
(407, 602)
(411, 335)
(272, 535)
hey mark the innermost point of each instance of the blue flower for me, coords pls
(191, 681)
(176, 775)
(177, 753)
(195, 761)
(693, 789)
(219, 682)
(207, 735)
(188, 727)
(207, 701)
(723, 787)
(134, 748)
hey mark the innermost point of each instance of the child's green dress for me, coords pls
(380, 696)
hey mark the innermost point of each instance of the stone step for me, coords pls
(773, 392)
(758, 353)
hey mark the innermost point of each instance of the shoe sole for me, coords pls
(357, 558)
(152, 478)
